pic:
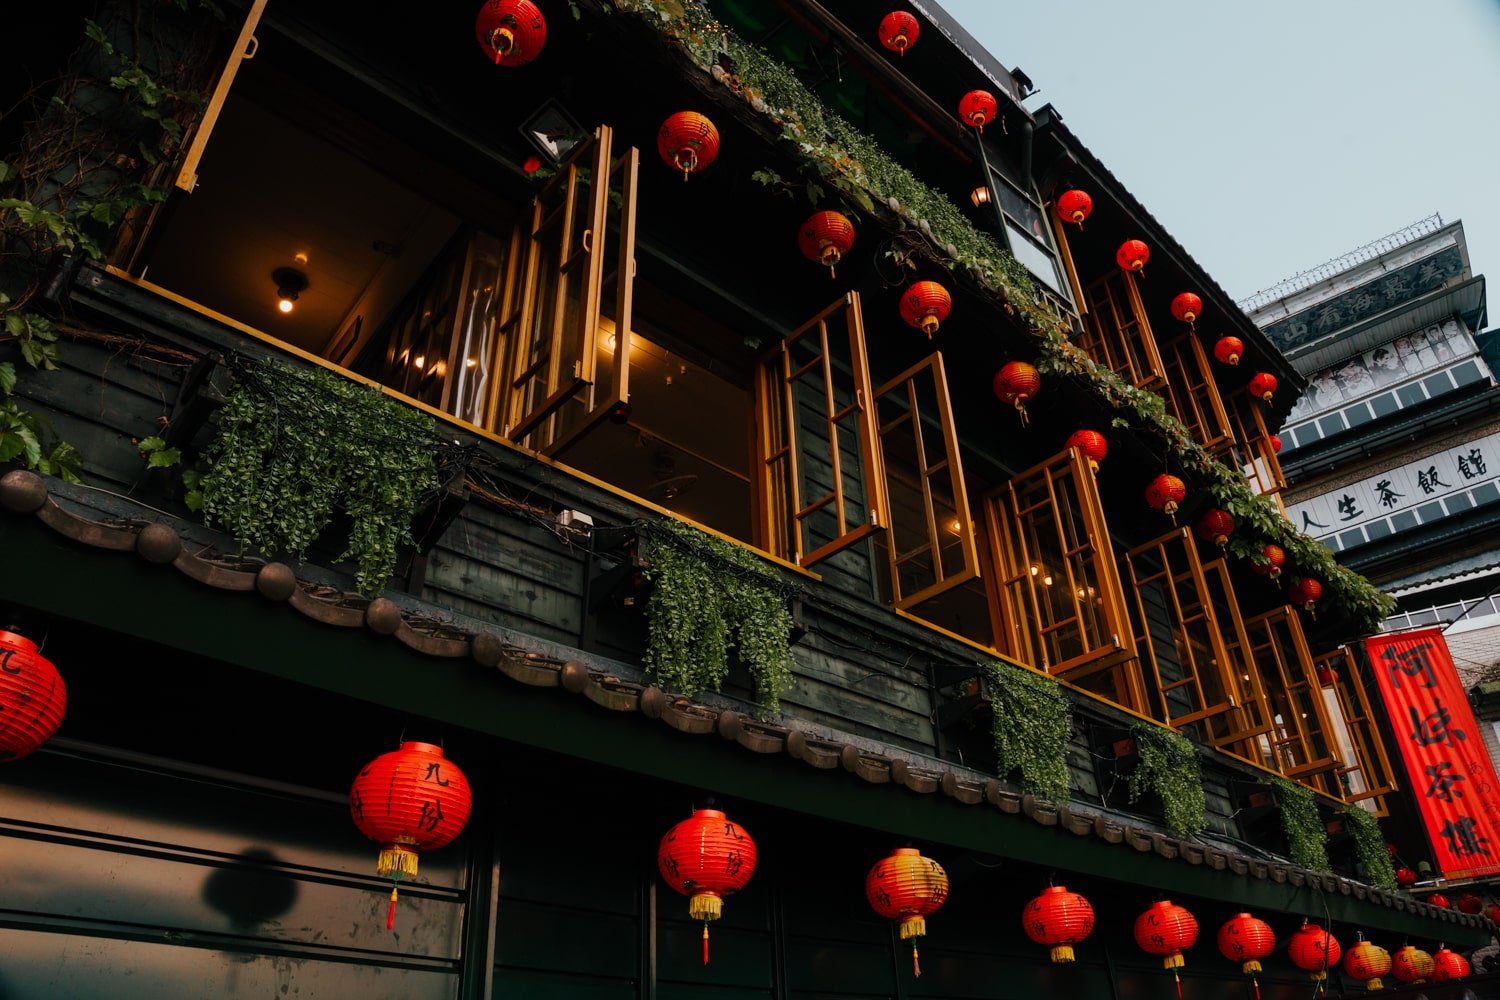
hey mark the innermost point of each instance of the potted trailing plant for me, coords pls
(1369, 848)
(1306, 837)
(1033, 723)
(1168, 766)
(708, 597)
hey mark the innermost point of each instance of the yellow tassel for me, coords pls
(398, 860)
(1251, 967)
(1062, 953)
(1173, 961)
(914, 926)
(1374, 984)
(705, 906)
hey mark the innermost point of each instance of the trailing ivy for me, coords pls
(1306, 837)
(708, 596)
(837, 155)
(295, 447)
(1033, 723)
(1369, 848)
(1168, 766)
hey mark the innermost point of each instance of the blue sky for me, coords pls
(1269, 137)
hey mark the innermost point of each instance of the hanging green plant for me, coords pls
(1168, 766)
(294, 447)
(708, 596)
(1033, 723)
(1369, 848)
(1306, 837)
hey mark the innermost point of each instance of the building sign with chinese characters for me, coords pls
(1419, 492)
(1450, 773)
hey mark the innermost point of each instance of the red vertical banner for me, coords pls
(1450, 773)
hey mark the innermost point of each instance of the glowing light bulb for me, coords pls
(470, 362)
(419, 360)
(285, 304)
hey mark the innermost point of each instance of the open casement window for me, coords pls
(1117, 333)
(183, 168)
(1188, 651)
(1191, 394)
(930, 542)
(1366, 774)
(816, 448)
(570, 325)
(1250, 446)
(1298, 736)
(1061, 604)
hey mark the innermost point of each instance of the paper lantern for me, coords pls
(33, 697)
(925, 305)
(1405, 877)
(1229, 350)
(688, 142)
(1411, 965)
(1164, 493)
(1167, 930)
(1132, 255)
(1273, 559)
(1448, 964)
(1314, 950)
(1091, 445)
(706, 857)
(1263, 386)
(898, 31)
(978, 108)
(1470, 903)
(1074, 206)
(1493, 913)
(510, 32)
(1060, 919)
(1215, 525)
(1247, 940)
(1187, 307)
(409, 800)
(1275, 440)
(825, 237)
(1016, 384)
(1327, 676)
(1307, 592)
(907, 887)
(1440, 901)
(1367, 962)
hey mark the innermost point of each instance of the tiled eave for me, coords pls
(138, 566)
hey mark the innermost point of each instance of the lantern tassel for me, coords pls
(1178, 979)
(390, 913)
(705, 942)
(1021, 409)
(1255, 983)
(916, 966)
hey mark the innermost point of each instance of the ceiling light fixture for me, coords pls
(980, 195)
(290, 283)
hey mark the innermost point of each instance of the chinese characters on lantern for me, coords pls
(1449, 770)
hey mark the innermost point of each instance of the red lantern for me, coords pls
(1074, 206)
(1090, 444)
(925, 305)
(1016, 383)
(33, 697)
(825, 237)
(1448, 964)
(1493, 913)
(1229, 350)
(1307, 592)
(408, 800)
(1132, 255)
(1275, 444)
(1405, 877)
(510, 32)
(688, 142)
(1060, 919)
(1247, 940)
(706, 857)
(1470, 903)
(1263, 386)
(899, 30)
(1440, 901)
(1164, 493)
(1168, 930)
(1368, 962)
(1411, 964)
(1275, 558)
(1327, 676)
(1215, 526)
(1187, 307)
(978, 108)
(907, 887)
(1312, 949)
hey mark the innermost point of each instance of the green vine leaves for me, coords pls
(1168, 766)
(294, 448)
(1369, 848)
(1033, 723)
(1306, 837)
(708, 596)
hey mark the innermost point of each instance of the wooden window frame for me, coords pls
(1191, 394)
(949, 466)
(780, 508)
(1291, 667)
(1369, 754)
(1250, 444)
(1016, 597)
(1117, 333)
